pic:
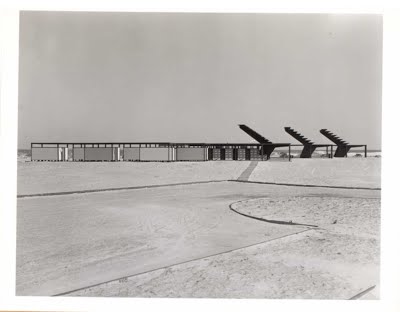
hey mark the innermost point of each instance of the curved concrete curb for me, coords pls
(266, 220)
(310, 227)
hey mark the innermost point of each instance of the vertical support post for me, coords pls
(262, 152)
(222, 154)
(327, 152)
(247, 154)
(331, 151)
(290, 154)
(365, 150)
(234, 153)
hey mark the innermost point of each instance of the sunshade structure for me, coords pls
(308, 146)
(268, 146)
(342, 146)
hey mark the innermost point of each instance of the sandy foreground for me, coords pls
(185, 241)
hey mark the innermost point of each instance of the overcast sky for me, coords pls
(112, 77)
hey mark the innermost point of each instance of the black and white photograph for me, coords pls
(199, 155)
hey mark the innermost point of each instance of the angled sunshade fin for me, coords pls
(342, 146)
(266, 149)
(256, 136)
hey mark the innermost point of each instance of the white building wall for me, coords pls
(99, 153)
(172, 153)
(131, 154)
(116, 153)
(78, 154)
(190, 153)
(66, 153)
(45, 153)
(154, 154)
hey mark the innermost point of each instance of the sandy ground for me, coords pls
(190, 241)
(349, 172)
(358, 216)
(185, 241)
(48, 177)
(349, 229)
(307, 265)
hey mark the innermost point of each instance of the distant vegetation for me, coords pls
(25, 152)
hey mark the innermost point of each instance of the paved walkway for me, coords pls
(84, 241)
(247, 173)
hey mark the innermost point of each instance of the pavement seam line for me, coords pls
(179, 263)
(311, 185)
(364, 292)
(116, 189)
(186, 183)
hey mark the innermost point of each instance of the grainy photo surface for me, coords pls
(199, 155)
